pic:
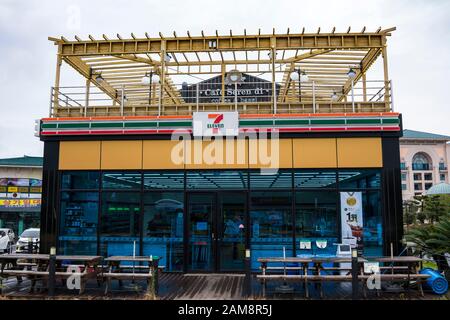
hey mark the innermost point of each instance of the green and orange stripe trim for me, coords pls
(326, 122)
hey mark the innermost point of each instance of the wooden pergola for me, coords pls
(117, 66)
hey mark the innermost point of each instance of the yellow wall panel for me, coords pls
(121, 155)
(79, 155)
(315, 153)
(163, 154)
(359, 152)
(266, 153)
(216, 154)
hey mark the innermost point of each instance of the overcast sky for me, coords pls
(419, 51)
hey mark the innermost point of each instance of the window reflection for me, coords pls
(120, 223)
(80, 180)
(316, 214)
(121, 180)
(271, 224)
(359, 179)
(79, 217)
(163, 228)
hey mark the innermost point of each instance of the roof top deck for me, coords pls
(251, 73)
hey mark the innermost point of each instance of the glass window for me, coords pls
(208, 180)
(442, 166)
(372, 222)
(421, 161)
(417, 176)
(316, 218)
(267, 180)
(402, 166)
(359, 179)
(403, 176)
(428, 176)
(404, 186)
(162, 228)
(165, 180)
(417, 186)
(79, 220)
(121, 180)
(428, 186)
(271, 225)
(80, 180)
(442, 176)
(120, 223)
(315, 179)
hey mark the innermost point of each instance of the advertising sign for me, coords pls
(20, 203)
(352, 219)
(207, 124)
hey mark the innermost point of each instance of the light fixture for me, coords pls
(304, 77)
(167, 57)
(99, 78)
(149, 78)
(297, 75)
(234, 76)
(294, 76)
(334, 96)
(351, 73)
(270, 54)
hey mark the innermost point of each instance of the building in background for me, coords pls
(424, 162)
(20, 193)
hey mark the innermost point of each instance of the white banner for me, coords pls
(207, 124)
(352, 218)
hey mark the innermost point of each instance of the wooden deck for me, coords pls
(176, 286)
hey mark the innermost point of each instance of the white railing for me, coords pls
(202, 94)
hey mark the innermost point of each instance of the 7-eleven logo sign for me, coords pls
(206, 124)
(216, 124)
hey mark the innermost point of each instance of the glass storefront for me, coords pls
(203, 220)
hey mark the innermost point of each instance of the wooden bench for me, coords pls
(149, 272)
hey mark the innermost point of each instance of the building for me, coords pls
(20, 193)
(206, 149)
(424, 161)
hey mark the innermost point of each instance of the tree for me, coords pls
(433, 239)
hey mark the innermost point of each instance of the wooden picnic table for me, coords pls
(88, 267)
(412, 266)
(303, 263)
(318, 277)
(115, 270)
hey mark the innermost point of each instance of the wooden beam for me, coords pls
(224, 43)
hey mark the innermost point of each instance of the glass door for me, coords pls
(201, 211)
(231, 231)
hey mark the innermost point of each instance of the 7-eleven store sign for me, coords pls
(207, 124)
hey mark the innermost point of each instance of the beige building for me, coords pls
(424, 161)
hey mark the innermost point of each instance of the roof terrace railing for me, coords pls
(247, 97)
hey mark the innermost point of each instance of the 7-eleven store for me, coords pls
(209, 172)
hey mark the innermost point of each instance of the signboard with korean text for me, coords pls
(352, 219)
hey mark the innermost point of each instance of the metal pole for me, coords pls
(86, 103)
(197, 94)
(274, 86)
(248, 277)
(122, 99)
(354, 274)
(235, 96)
(391, 91)
(314, 96)
(52, 272)
(150, 89)
(353, 98)
(299, 86)
(160, 98)
(52, 97)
